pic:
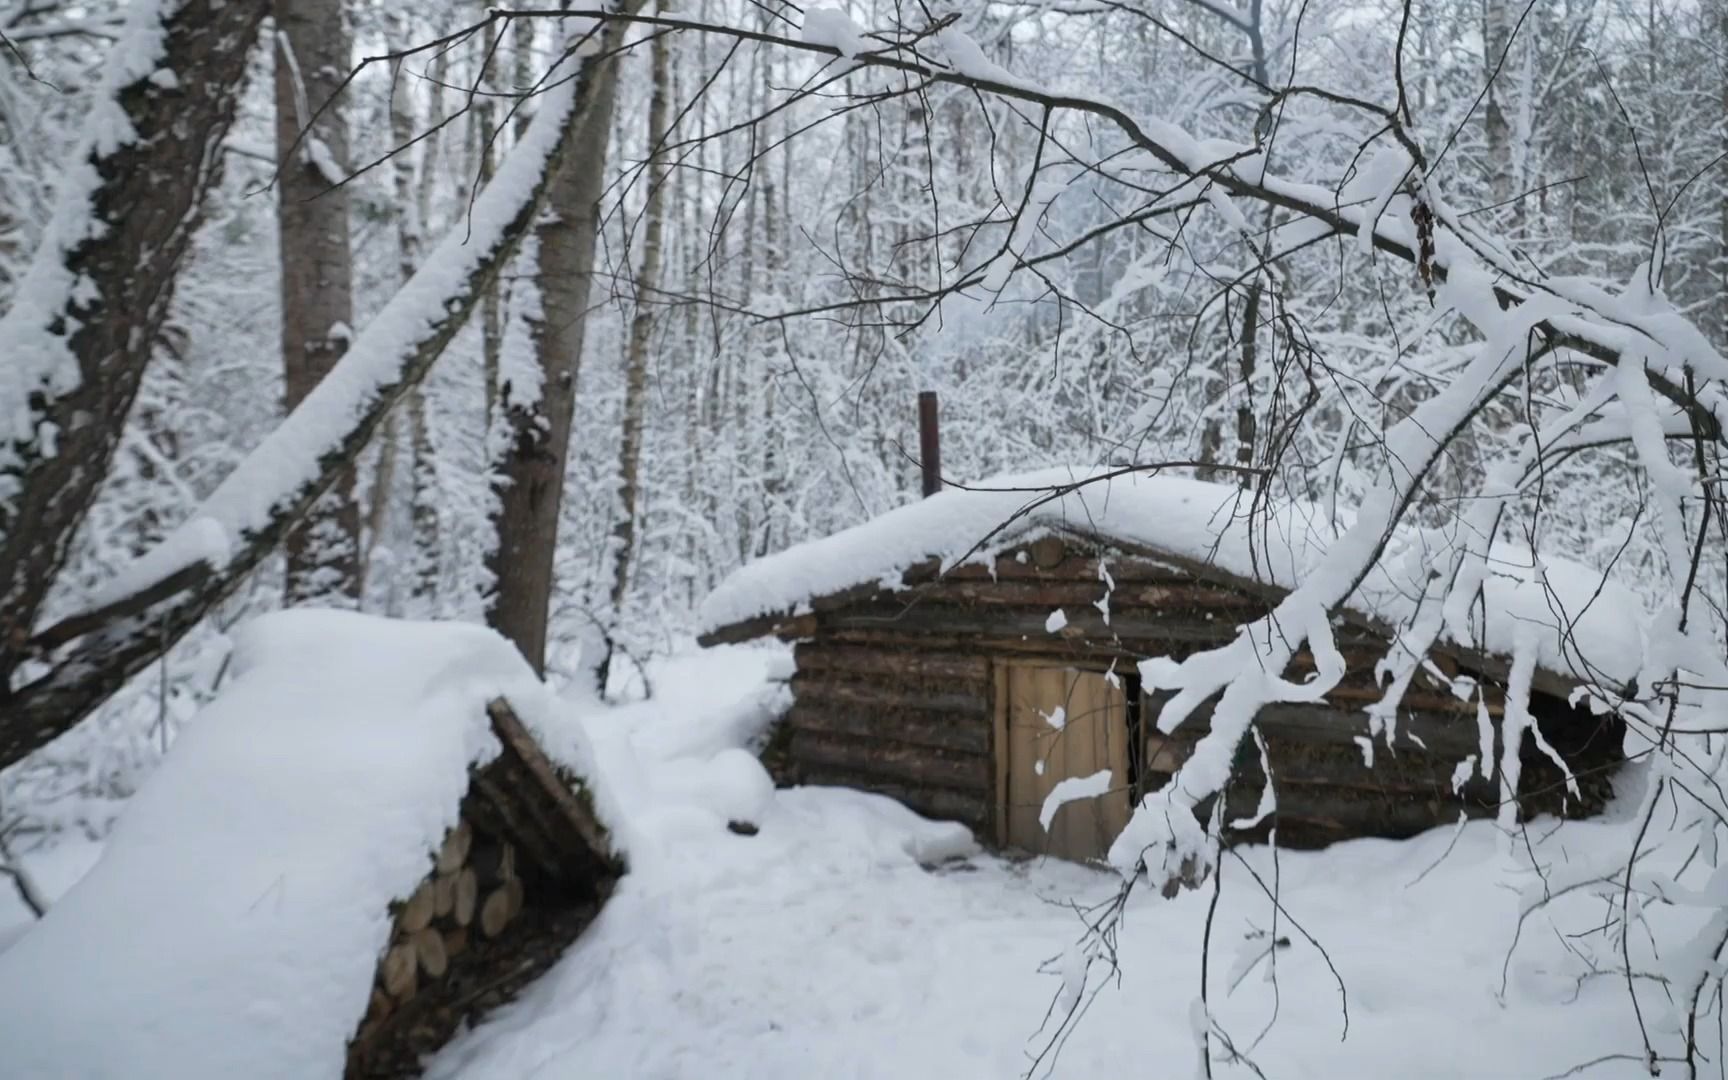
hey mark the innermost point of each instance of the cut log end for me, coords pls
(466, 896)
(455, 850)
(429, 949)
(400, 965)
(495, 913)
(417, 912)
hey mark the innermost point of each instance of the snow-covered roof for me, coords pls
(1583, 622)
(234, 922)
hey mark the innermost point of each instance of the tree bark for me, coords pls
(103, 292)
(1496, 125)
(424, 519)
(484, 132)
(538, 418)
(641, 329)
(1211, 450)
(313, 56)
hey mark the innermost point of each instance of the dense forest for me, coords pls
(551, 319)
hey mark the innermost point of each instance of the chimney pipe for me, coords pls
(929, 442)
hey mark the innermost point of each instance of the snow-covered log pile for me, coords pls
(524, 870)
(359, 847)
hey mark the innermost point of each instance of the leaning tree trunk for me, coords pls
(312, 59)
(174, 587)
(538, 417)
(101, 285)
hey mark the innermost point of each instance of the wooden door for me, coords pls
(1056, 723)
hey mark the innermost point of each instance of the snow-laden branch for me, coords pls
(1581, 316)
(1163, 836)
(163, 594)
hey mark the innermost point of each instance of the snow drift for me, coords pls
(233, 925)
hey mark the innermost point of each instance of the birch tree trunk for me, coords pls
(312, 52)
(1248, 354)
(537, 406)
(641, 329)
(425, 522)
(408, 243)
(1496, 125)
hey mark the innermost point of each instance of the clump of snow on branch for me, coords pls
(835, 29)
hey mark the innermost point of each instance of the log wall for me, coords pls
(895, 693)
(897, 718)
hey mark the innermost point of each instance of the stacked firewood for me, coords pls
(524, 870)
(465, 895)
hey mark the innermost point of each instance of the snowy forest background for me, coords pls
(789, 249)
(1593, 146)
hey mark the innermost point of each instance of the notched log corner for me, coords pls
(524, 871)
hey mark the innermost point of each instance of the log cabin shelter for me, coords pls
(975, 652)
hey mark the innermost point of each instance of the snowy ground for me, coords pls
(822, 946)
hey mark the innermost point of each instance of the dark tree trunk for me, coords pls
(538, 419)
(146, 202)
(313, 56)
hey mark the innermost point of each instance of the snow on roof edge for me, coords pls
(1592, 621)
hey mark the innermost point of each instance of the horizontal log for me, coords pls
(971, 808)
(744, 630)
(1310, 831)
(825, 688)
(1126, 596)
(974, 621)
(912, 662)
(1414, 700)
(1044, 647)
(1305, 824)
(914, 765)
(901, 726)
(1075, 567)
(1447, 737)
(1299, 778)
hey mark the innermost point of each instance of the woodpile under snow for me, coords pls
(523, 872)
